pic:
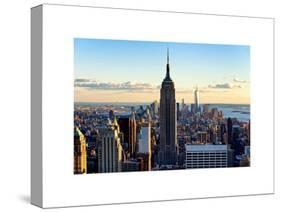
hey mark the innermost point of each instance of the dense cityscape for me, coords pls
(165, 135)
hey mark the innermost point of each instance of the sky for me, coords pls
(132, 71)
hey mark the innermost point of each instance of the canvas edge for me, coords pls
(36, 106)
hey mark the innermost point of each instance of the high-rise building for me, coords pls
(237, 142)
(110, 148)
(182, 104)
(178, 111)
(124, 123)
(196, 100)
(168, 130)
(230, 157)
(80, 152)
(214, 132)
(144, 145)
(215, 112)
(206, 108)
(248, 132)
(186, 108)
(144, 142)
(129, 130)
(111, 115)
(229, 131)
(193, 108)
(154, 108)
(205, 156)
(132, 134)
(223, 135)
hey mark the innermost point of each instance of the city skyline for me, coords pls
(132, 71)
(158, 136)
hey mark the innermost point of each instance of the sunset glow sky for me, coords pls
(132, 71)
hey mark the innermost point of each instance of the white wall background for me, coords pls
(15, 102)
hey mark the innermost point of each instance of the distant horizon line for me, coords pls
(150, 102)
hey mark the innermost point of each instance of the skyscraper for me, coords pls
(223, 135)
(182, 104)
(196, 100)
(133, 134)
(80, 152)
(128, 128)
(111, 115)
(144, 144)
(110, 148)
(178, 111)
(168, 133)
(193, 108)
(206, 108)
(229, 131)
(154, 108)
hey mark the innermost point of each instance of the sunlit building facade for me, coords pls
(80, 152)
(110, 148)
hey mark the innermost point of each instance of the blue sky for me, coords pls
(143, 62)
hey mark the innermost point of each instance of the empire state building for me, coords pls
(168, 130)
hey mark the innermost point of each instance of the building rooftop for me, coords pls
(206, 147)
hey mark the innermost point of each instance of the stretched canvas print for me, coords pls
(148, 106)
(138, 106)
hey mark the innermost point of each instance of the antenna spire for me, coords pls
(167, 55)
(168, 78)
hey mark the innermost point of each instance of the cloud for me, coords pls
(122, 86)
(225, 86)
(82, 80)
(239, 81)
